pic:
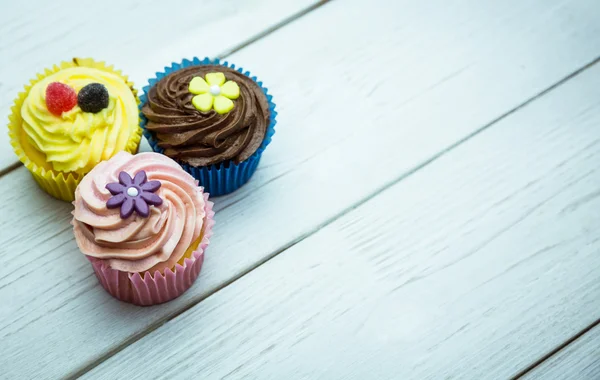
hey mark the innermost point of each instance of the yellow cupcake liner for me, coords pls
(60, 185)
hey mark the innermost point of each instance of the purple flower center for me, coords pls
(135, 194)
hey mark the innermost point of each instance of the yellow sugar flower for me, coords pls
(213, 92)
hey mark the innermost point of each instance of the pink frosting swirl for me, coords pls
(138, 244)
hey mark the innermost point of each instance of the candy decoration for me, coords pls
(133, 194)
(213, 93)
(60, 98)
(93, 98)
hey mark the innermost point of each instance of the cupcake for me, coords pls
(144, 224)
(211, 118)
(69, 119)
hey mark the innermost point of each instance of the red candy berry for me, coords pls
(60, 98)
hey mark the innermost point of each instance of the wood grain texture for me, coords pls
(473, 267)
(422, 78)
(139, 37)
(580, 360)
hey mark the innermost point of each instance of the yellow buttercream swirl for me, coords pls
(76, 141)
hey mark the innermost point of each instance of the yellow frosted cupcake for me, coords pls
(69, 119)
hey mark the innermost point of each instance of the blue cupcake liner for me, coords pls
(224, 177)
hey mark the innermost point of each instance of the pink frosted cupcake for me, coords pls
(144, 224)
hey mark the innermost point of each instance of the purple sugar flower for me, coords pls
(133, 194)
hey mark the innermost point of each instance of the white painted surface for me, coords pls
(423, 77)
(473, 267)
(139, 37)
(578, 361)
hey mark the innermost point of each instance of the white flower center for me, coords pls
(132, 192)
(215, 90)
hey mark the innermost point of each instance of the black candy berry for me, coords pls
(93, 98)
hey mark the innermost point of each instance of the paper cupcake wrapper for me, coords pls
(58, 184)
(224, 177)
(148, 289)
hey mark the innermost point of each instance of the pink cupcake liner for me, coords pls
(148, 290)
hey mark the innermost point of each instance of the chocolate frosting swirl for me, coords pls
(204, 138)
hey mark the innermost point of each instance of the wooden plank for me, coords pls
(473, 267)
(580, 360)
(139, 37)
(423, 77)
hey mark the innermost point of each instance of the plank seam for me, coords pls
(273, 28)
(10, 168)
(556, 350)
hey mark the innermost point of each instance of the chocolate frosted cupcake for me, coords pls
(212, 119)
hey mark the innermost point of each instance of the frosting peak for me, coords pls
(75, 141)
(194, 132)
(138, 244)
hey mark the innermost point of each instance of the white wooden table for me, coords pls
(429, 207)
